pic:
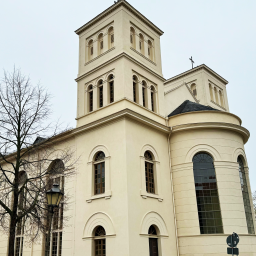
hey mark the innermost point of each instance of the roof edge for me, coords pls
(114, 7)
(203, 66)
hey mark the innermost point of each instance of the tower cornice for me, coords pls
(112, 8)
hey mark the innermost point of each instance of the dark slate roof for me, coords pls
(189, 106)
(38, 140)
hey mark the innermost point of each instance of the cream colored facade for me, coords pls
(125, 129)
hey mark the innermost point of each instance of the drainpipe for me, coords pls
(173, 199)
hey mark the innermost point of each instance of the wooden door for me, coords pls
(153, 247)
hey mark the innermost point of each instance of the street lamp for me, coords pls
(54, 196)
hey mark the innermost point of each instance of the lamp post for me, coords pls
(54, 196)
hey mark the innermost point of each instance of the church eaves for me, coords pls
(114, 7)
(189, 106)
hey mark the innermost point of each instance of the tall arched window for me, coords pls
(135, 89)
(150, 50)
(132, 38)
(111, 38)
(99, 173)
(221, 99)
(90, 98)
(144, 94)
(152, 95)
(208, 204)
(141, 44)
(19, 236)
(193, 89)
(216, 95)
(90, 50)
(111, 88)
(149, 172)
(100, 93)
(100, 44)
(99, 241)
(153, 241)
(211, 93)
(246, 197)
(55, 172)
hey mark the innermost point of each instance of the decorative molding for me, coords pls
(113, 8)
(196, 69)
(121, 55)
(213, 125)
(142, 55)
(110, 24)
(90, 61)
(218, 105)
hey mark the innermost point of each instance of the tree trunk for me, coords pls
(12, 236)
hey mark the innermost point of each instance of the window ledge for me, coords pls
(143, 56)
(145, 195)
(218, 105)
(106, 195)
(111, 49)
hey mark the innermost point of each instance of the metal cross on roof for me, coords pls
(192, 62)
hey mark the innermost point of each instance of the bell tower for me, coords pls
(116, 48)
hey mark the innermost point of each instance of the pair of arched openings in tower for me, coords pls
(216, 95)
(145, 94)
(100, 175)
(208, 204)
(100, 43)
(54, 175)
(100, 246)
(142, 42)
(100, 93)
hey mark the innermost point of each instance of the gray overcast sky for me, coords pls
(38, 38)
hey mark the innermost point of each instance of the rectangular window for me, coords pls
(131, 39)
(111, 92)
(112, 38)
(101, 45)
(100, 247)
(152, 101)
(91, 50)
(149, 173)
(149, 51)
(140, 45)
(143, 97)
(99, 178)
(91, 101)
(134, 92)
(101, 96)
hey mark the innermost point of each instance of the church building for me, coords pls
(162, 167)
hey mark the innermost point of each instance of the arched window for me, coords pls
(132, 37)
(211, 93)
(99, 173)
(100, 44)
(141, 44)
(100, 93)
(221, 99)
(135, 89)
(150, 50)
(152, 95)
(193, 89)
(144, 94)
(19, 236)
(246, 197)
(149, 172)
(90, 50)
(55, 172)
(99, 241)
(208, 204)
(216, 95)
(111, 88)
(153, 241)
(90, 98)
(111, 38)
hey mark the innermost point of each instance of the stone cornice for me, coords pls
(113, 8)
(196, 69)
(213, 125)
(121, 55)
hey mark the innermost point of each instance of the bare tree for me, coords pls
(25, 160)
